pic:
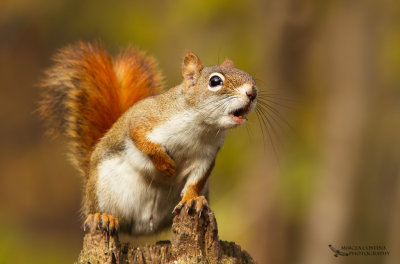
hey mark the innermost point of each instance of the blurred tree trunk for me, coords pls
(296, 24)
(348, 70)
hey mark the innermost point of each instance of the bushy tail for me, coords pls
(87, 90)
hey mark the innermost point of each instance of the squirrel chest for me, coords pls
(132, 189)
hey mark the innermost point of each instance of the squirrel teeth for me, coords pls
(238, 119)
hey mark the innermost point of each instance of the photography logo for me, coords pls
(359, 251)
(337, 252)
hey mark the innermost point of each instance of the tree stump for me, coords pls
(195, 240)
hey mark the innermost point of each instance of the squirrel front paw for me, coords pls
(164, 163)
(199, 203)
(101, 221)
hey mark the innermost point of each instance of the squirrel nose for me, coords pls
(252, 94)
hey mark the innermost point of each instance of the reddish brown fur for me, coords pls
(86, 91)
(161, 160)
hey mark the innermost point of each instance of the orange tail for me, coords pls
(86, 91)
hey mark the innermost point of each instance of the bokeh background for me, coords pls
(324, 171)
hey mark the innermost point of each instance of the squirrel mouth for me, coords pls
(239, 115)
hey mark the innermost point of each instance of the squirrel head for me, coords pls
(222, 94)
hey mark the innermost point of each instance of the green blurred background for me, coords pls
(331, 69)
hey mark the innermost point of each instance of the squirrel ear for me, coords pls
(191, 65)
(228, 63)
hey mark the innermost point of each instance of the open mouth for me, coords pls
(239, 115)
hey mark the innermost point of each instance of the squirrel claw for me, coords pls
(177, 208)
(198, 202)
(201, 204)
(104, 222)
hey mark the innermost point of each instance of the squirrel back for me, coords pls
(87, 90)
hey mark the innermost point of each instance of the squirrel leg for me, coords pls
(160, 159)
(192, 198)
(101, 221)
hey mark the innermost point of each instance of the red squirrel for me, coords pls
(143, 153)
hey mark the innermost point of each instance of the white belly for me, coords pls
(123, 190)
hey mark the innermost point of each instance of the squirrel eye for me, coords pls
(216, 82)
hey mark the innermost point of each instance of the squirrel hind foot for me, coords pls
(101, 221)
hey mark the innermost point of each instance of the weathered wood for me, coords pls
(195, 240)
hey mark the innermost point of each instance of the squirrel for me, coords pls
(143, 153)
